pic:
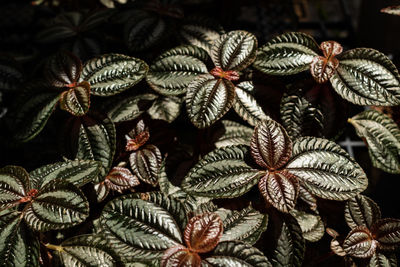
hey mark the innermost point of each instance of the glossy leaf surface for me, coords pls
(14, 185)
(130, 108)
(180, 256)
(382, 260)
(361, 211)
(387, 232)
(165, 108)
(323, 68)
(311, 225)
(360, 243)
(233, 133)
(76, 100)
(145, 163)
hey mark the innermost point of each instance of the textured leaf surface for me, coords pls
(222, 174)
(165, 108)
(323, 68)
(173, 71)
(145, 164)
(246, 105)
(360, 243)
(208, 99)
(237, 254)
(383, 138)
(180, 256)
(286, 54)
(18, 245)
(382, 260)
(311, 225)
(271, 146)
(63, 69)
(367, 77)
(111, 74)
(130, 108)
(142, 226)
(14, 185)
(120, 179)
(76, 100)
(387, 232)
(361, 211)
(234, 133)
(326, 169)
(234, 50)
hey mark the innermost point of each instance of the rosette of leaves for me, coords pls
(370, 235)
(209, 96)
(148, 227)
(362, 76)
(382, 136)
(46, 199)
(318, 166)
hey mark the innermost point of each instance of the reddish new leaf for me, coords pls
(230, 75)
(203, 232)
(180, 257)
(271, 146)
(387, 232)
(280, 188)
(137, 137)
(120, 179)
(322, 68)
(77, 99)
(360, 243)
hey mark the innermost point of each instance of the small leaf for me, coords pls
(180, 256)
(14, 185)
(208, 99)
(63, 70)
(234, 133)
(145, 163)
(165, 108)
(393, 10)
(102, 191)
(246, 105)
(286, 54)
(77, 172)
(280, 188)
(311, 225)
(58, 205)
(360, 243)
(174, 70)
(387, 232)
(382, 260)
(222, 174)
(235, 50)
(323, 68)
(325, 169)
(361, 211)
(76, 100)
(203, 232)
(383, 138)
(271, 146)
(236, 254)
(367, 77)
(112, 74)
(119, 179)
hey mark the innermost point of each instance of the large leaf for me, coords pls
(361, 211)
(222, 174)
(360, 243)
(387, 232)
(382, 260)
(58, 205)
(237, 254)
(383, 138)
(19, 246)
(234, 50)
(286, 54)
(208, 99)
(14, 185)
(325, 169)
(145, 164)
(165, 108)
(76, 100)
(142, 226)
(120, 178)
(111, 74)
(174, 70)
(97, 141)
(77, 172)
(233, 133)
(245, 225)
(246, 105)
(271, 146)
(311, 225)
(367, 77)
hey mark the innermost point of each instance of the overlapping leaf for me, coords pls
(387, 232)
(361, 211)
(145, 164)
(14, 185)
(382, 260)
(165, 108)
(233, 133)
(360, 243)
(76, 100)
(63, 70)
(311, 225)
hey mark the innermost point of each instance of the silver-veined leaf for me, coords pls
(246, 105)
(222, 174)
(76, 100)
(208, 99)
(180, 256)
(111, 74)
(174, 70)
(367, 77)
(142, 226)
(237, 254)
(233, 133)
(77, 172)
(130, 108)
(325, 169)
(234, 50)
(383, 138)
(361, 211)
(311, 225)
(145, 163)
(360, 243)
(14, 185)
(289, 53)
(383, 260)
(165, 108)
(387, 233)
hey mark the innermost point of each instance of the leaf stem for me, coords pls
(54, 247)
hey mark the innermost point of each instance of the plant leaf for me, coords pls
(234, 50)
(383, 138)
(325, 169)
(165, 108)
(393, 10)
(361, 211)
(145, 164)
(208, 99)
(360, 243)
(281, 189)
(180, 256)
(112, 74)
(173, 71)
(58, 205)
(14, 185)
(19, 246)
(63, 70)
(142, 226)
(382, 260)
(367, 77)
(246, 105)
(245, 225)
(271, 146)
(387, 232)
(76, 100)
(233, 133)
(286, 54)
(222, 174)
(119, 179)
(236, 254)
(311, 225)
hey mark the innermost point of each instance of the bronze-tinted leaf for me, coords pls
(387, 232)
(280, 188)
(120, 179)
(322, 68)
(180, 256)
(360, 243)
(63, 69)
(383, 260)
(137, 137)
(77, 99)
(203, 232)
(271, 146)
(361, 210)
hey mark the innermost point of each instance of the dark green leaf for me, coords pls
(14, 185)
(361, 211)
(165, 108)
(360, 243)
(10, 74)
(234, 134)
(76, 100)
(382, 260)
(311, 225)
(387, 233)
(145, 163)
